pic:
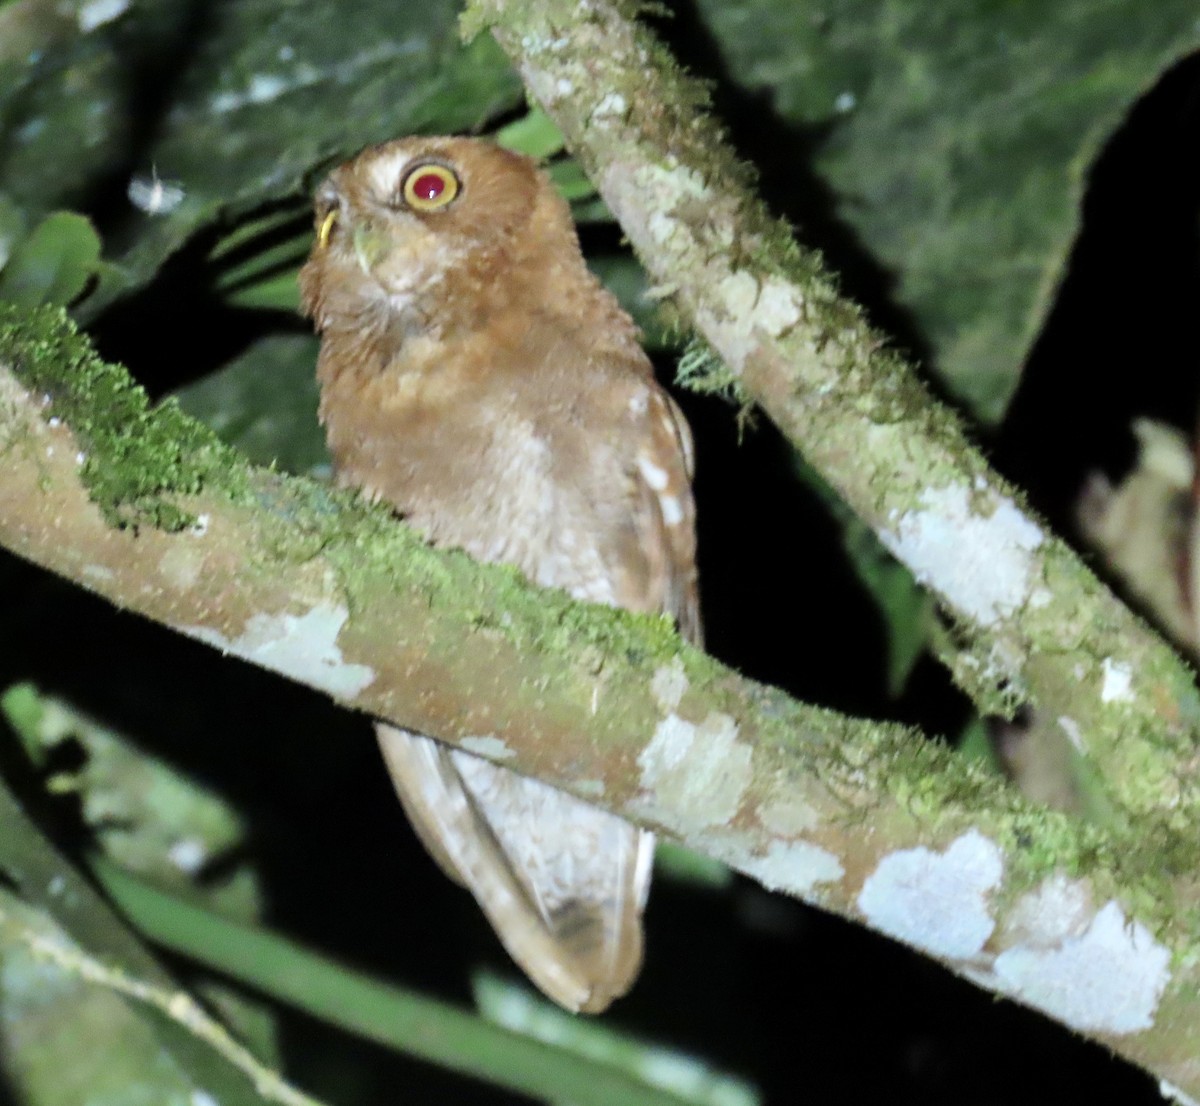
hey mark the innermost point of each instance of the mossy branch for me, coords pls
(150, 510)
(1039, 627)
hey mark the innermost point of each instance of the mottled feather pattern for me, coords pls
(477, 377)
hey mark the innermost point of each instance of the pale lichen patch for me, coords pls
(668, 685)
(487, 745)
(785, 814)
(794, 866)
(181, 565)
(302, 647)
(1118, 681)
(612, 103)
(933, 901)
(1071, 728)
(1108, 979)
(1057, 909)
(778, 308)
(1172, 1092)
(983, 565)
(694, 775)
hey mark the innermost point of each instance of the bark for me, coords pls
(865, 819)
(1034, 625)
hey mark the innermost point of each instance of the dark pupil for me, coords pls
(429, 186)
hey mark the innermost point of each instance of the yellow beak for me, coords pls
(326, 229)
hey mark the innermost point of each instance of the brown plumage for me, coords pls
(479, 379)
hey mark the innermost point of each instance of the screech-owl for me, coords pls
(478, 378)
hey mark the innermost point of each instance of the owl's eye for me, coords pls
(430, 186)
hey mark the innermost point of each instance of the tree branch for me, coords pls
(1040, 628)
(861, 818)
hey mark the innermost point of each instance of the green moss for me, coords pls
(701, 370)
(940, 789)
(138, 458)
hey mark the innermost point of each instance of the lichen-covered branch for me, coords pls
(1039, 627)
(861, 818)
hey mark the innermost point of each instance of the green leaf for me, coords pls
(53, 264)
(67, 1041)
(22, 709)
(265, 403)
(59, 899)
(676, 862)
(402, 1019)
(956, 141)
(275, 90)
(975, 744)
(12, 228)
(535, 134)
(69, 76)
(694, 1080)
(907, 610)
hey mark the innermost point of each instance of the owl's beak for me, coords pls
(326, 229)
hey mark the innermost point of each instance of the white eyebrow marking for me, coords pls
(386, 172)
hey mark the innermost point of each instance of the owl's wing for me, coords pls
(667, 518)
(564, 883)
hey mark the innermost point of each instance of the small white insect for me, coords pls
(153, 195)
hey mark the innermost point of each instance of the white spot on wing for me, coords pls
(672, 510)
(653, 474)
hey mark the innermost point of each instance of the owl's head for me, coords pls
(409, 223)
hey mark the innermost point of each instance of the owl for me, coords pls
(475, 376)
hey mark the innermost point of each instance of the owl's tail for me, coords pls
(562, 882)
